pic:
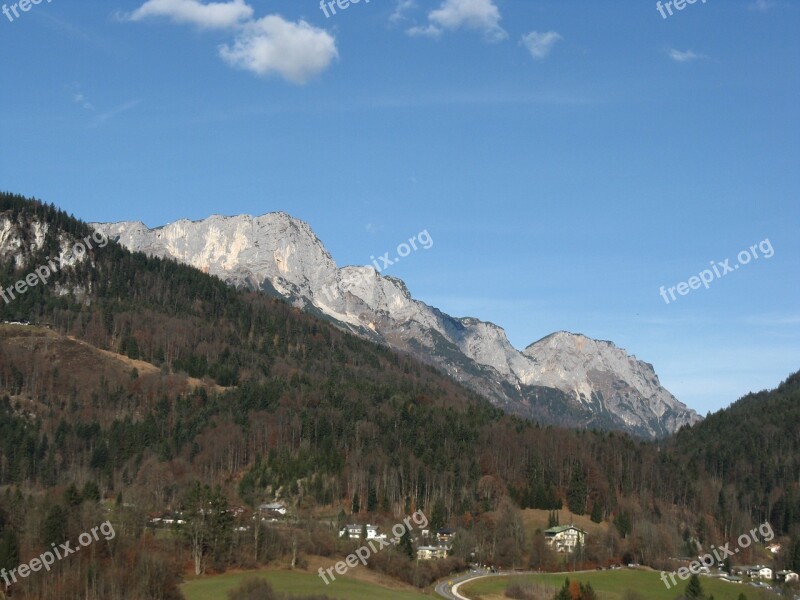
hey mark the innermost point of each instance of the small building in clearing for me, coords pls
(565, 538)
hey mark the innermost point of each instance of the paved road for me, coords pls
(450, 588)
(445, 588)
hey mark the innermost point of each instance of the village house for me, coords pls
(431, 552)
(753, 571)
(354, 532)
(445, 536)
(168, 519)
(765, 573)
(565, 538)
(787, 576)
(273, 507)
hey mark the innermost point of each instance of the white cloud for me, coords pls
(108, 115)
(540, 44)
(683, 56)
(272, 45)
(215, 15)
(480, 15)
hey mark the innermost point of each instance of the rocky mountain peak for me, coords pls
(564, 378)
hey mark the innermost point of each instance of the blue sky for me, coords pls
(567, 158)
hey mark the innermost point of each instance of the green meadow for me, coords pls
(299, 583)
(612, 585)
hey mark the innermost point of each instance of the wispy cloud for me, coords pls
(682, 56)
(762, 5)
(271, 45)
(477, 15)
(480, 98)
(401, 10)
(108, 115)
(78, 97)
(540, 44)
(773, 320)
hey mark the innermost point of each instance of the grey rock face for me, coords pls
(564, 379)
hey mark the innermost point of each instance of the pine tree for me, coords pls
(438, 515)
(72, 496)
(577, 492)
(587, 592)
(563, 593)
(405, 544)
(597, 512)
(694, 589)
(372, 499)
(9, 549)
(54, 529)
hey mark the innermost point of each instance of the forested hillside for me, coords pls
(157, 388)
(753, 446)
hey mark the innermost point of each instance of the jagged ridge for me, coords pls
(564, 378)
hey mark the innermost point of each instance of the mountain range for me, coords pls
(563, 379)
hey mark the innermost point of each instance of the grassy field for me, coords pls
(612, 585)
(217, 587)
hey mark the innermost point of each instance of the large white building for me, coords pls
(565, 538)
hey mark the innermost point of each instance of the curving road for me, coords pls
(449, 588)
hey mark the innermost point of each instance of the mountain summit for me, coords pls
(564, 378)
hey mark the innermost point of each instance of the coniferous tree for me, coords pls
(72, 496)
(597, 512)
(9, 549)
(577, 492)
(694, 589)
(54, 528)
(405, 544)
(372, 499)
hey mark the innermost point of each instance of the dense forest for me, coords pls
(145, 386)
